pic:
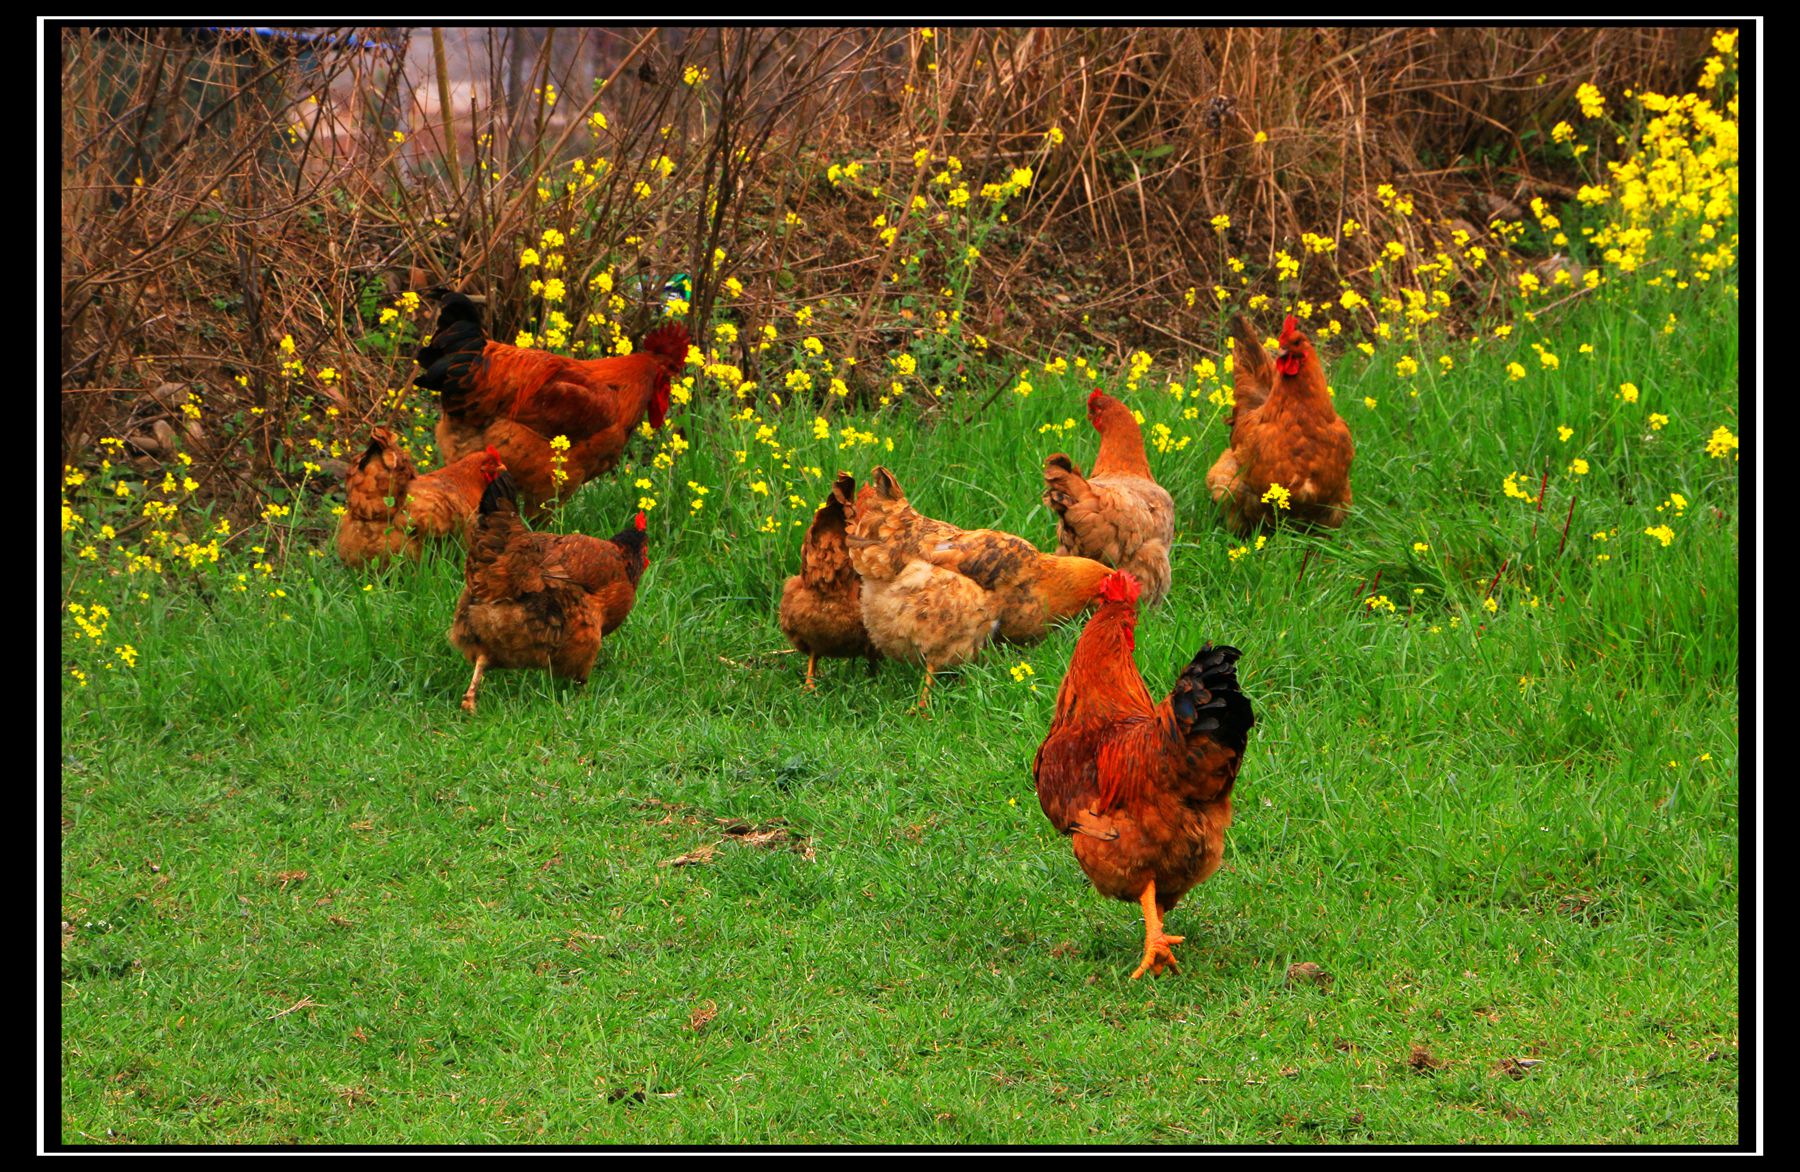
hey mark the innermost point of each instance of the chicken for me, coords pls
(821, 606)
(1029, 589)
(1118, 514)
(916, 611)
(1145, 789)
(518, 400)
(391, 511)
(1254, 374)
(540, 599)
(1293, 441)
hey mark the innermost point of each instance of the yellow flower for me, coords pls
(1662, 533)
(1722, 443)
(1579, 466)
(1278, 496)
(1628, 392)
(1658, 421)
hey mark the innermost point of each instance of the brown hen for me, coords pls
(1118, 513)
(821, 606)
(1293, 441)
(1029, 589)
(389, 511)
(540, 600)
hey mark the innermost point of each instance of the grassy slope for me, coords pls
(491, 950)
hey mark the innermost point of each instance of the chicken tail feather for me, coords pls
(1207, 702)
(503, 490)
(448, 358)
(1063, 483)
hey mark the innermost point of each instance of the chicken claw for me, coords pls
(1156, 945)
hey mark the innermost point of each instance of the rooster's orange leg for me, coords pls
(468, 703)
(925, 692)
(812, 665)
(1156, 945)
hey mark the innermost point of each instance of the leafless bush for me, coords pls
(223, 191)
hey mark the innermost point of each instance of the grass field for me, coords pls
(307, 900)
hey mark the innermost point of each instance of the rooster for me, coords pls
(391, 511)
(519, 400)
(821, 606)
(1118, 514)
(1144, 788)
(1294, 441)
(538, 599)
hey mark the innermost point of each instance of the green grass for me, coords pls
(1497, 832)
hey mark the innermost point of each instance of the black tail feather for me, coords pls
(1207, 700)
(501, 490)
(458, 340)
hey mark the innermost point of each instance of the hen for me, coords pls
(539, 599)
(518, 400)
(1293, 441)
(1118, 514)
(821, 606)
(1029, 589)
(916, 611)
(1145, 789)
(391, 511)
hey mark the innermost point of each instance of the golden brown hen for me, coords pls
(1294, 442)
(821, 606)
(390, 511)
(1118, 513)
(1144, 788)
(519, 400)
(1030, 589)
(915, 611)
(540, 599)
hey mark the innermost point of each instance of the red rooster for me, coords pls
(519, 400)
(1144, 788)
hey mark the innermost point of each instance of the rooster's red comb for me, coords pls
(1289, 328)
(639, 521)
(1119, 586)
(1095, 396)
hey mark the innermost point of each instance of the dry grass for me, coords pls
(277, 200)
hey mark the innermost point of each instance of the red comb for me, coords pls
(1119, 586)
(1097, 393)
(639, 521)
